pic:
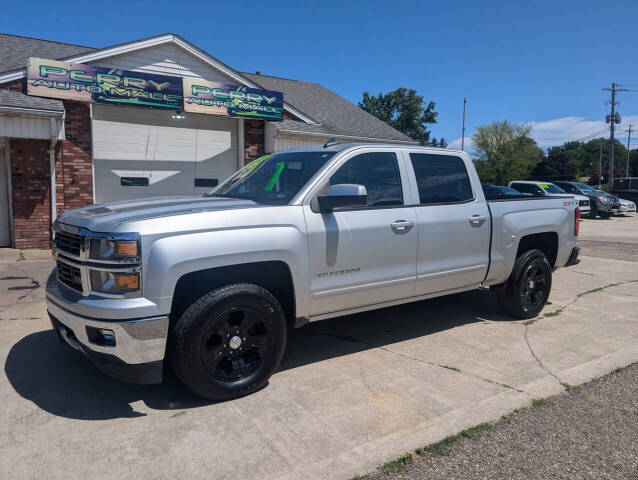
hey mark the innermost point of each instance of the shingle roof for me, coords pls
(15, 50)
(9, 98)
(335, 114)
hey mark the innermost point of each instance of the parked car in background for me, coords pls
(212, 283)
(547, 188)
(601, 204)
(497, 191)
(626, 207)
(615, 201)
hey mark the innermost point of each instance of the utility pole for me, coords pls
(628, 140)
(612, 119)
(463, 131)
(600, 165)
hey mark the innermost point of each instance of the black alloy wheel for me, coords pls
(534, 291)
(237, 342)
(526, 291)
(229, 342)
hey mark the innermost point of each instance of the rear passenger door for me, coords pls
(453, 223)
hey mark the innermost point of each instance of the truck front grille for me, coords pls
(70, 275)
(68, 242)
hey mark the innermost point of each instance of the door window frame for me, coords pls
(477, 195)
(323, 181)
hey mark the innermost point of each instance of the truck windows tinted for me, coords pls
(378, 172)
(441, 178)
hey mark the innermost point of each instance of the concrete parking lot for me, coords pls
(352, 392)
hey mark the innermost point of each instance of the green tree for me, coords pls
(406, 111)
(505, 152)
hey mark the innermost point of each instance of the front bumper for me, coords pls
(136, 352)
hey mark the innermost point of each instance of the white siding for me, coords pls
(23, 126)
(165, 60)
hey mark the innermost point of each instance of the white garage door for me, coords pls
(5, 236)
(145, 153)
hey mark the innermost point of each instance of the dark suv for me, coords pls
(602, 204)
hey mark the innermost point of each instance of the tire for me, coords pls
(605, 215)
(532, 270)
(229, 342)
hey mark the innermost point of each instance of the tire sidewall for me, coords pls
(523, 264)
(191, 368)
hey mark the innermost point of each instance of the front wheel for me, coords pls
(229, 342)
(528, 287)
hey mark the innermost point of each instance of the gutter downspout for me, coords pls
(54, 141)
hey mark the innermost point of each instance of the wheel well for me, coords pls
(546, 242)
(273, 276)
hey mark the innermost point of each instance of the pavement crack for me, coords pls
(578, 296)
(539, 361)
(351, 339)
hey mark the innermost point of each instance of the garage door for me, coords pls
(5, 236)
(145, 153)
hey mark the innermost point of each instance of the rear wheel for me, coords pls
(229, 342)
(605, 215)
(528, 287)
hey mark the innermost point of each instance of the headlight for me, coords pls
(117, 283)
(108, 249)
(603, 199)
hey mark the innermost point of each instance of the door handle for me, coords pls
(477, 220)
(402, 226)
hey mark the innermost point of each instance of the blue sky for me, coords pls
(541, 62)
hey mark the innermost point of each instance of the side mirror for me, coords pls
(342, 195)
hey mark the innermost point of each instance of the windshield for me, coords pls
(585, 188)
(273, 179)
(551, 188)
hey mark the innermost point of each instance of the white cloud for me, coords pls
(456, 144)
(560, 130)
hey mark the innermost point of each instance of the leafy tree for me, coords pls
(406, 111)
(505, 152)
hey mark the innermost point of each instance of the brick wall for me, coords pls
(31, 178)
(30, 183)
(74, 162)
(253, 140)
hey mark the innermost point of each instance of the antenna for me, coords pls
(330, 142)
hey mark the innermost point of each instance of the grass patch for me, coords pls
(572, 388)
(399, 464)
(438, 448)
(531, 321)
(539, 402)
(619, 369)
(21, 257)
(555, 313)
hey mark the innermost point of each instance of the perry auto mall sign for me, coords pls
(88, 83)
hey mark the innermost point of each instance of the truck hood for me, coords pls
(106, 216)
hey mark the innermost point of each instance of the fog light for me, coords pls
(103, 337)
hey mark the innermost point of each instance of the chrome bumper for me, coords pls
(136, 351)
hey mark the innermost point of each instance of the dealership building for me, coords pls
(152, 117)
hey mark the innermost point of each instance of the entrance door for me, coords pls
(5, 235)
(145, 153)
(364, 256)
(454, 224)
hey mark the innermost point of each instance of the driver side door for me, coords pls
(364, 255)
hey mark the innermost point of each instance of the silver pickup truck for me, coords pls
(212, 283)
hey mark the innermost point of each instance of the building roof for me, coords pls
(336, 115)
(333, 114)
(18, 100)
(15, 50)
